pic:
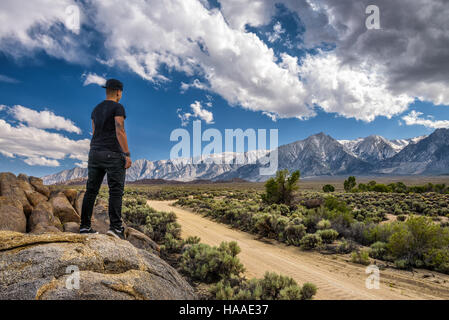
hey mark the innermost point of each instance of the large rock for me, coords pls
(39, 186)
(140, 240)
(9, 187)
(42, 219)
(71, 227)
(24, 182)
(39, 267)
(35, 197)
(71, 195)
(63, 209)
(11, 215)
(79, 202)
(100, 216)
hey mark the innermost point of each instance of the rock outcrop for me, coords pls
(63, 209)
(40, 244)
(11, 215)
(41, 267)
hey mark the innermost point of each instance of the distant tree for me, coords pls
(328, 188)
(280, 189)
(349, 184)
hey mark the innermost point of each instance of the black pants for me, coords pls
(103, 163)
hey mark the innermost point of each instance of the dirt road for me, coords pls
(335, 277)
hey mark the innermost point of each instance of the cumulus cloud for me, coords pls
(370, 73)
(277, 33)
(37, 146)
(93, 78)
(198, 112)
(415, 118)
(41, 161)
(29, 26)
(43, 119)
(201, 113)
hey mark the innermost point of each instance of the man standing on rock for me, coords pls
(109, 155)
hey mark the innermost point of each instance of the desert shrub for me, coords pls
(323, 224)
(402, 264)
(311, 241)
(280, 189)
(328, 188)
(346, 246)
(271, 287)
(437, 259)
(413, 239)
(308, 291)
(294, 232)
(378, 250)
(328, 235)
(210, 264)
(402, 217)
(360, 257)
(159, 224)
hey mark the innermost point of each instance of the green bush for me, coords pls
(360, 257)
(349, 184)
(280, 189)
(328, 188)
(294, 233)
(210, 264)
(416, 237)
(378, 250)
(308, 291)
(323, 224)
(328, 235)
(271, 287)
(311, 241)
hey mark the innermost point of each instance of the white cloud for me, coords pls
(414, 118)
(201, 113)
(185, 117)
(28, 26)
(37, 146)
(43, 119)
(93, 78)
(353, 92)
(198, 112)
(42, 161)
(352, 81)
(7, 79)
(276, 34)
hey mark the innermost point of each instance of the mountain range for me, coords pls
(318, 155)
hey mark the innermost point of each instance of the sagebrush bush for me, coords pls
(311, 241)
(360, 257)
(328, 235)
(271, 287)
(378, 250)
(210, 264)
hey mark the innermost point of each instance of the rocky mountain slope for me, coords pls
(317, 155)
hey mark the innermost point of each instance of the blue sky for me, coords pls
(42, 77)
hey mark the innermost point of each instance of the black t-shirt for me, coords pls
(104, 137)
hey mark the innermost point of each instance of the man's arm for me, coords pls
(121, 137)
(93, 127)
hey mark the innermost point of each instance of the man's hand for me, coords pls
(128, 163)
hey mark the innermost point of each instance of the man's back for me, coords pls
(105, 138)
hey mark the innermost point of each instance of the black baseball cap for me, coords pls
(113, 84)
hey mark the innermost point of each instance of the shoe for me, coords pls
(88, 231)
(117, 233)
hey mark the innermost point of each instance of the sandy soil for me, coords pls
(334, 275)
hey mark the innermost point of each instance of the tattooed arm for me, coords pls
(121, 137)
